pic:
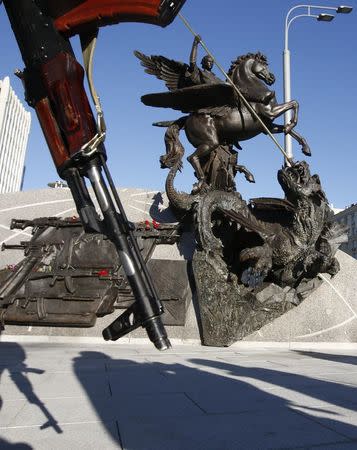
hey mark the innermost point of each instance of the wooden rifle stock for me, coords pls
(74, 16)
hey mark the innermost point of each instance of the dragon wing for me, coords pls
(266, 215)
(170, 71)
(202, 98)
(250, 222)
(273, 210)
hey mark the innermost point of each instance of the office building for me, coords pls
(14, 131)
(348, 217)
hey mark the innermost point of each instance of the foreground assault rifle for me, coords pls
(22, 224)
(53, 81)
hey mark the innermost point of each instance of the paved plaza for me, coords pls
(132, 397)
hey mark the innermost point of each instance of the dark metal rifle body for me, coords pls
(53, 81)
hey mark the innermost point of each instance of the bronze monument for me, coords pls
(253, 260)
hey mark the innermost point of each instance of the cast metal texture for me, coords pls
(253, 261)
(69, 277)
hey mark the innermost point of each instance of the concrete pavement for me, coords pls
(132, 397)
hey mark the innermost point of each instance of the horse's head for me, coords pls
(250, 66)
(260, 69)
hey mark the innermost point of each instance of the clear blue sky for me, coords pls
(324, 81)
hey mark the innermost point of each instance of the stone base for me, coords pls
(229, 311)
(322, 317)
(328, 315)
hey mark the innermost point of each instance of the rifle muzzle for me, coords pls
(157, 334)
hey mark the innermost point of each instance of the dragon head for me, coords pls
(298, 183)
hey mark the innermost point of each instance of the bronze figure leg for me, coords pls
(202, 133)
(301, 140)
(274, 111)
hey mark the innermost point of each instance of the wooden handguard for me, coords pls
(65, 114)
(74, 16)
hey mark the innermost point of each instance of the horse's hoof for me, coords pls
(306, 150)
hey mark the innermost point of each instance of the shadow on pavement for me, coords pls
(12, 360)
(345, 359)
(5, 445)
(149, 392)
(337, 394)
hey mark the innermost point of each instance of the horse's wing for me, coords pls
(193, 99)
(216, 111)
(170, 71)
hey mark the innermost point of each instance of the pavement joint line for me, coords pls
(109, 384)
(43, 397)
(312, 446)
(315, 420)
(193, 343)
(12, 427)
(195, 403)
(119, 435)
(339, 373)
(277, 363)
(20, 410)
(59, 372)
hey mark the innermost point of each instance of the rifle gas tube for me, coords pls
(53, 81)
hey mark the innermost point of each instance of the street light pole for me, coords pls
(323, 17)
(287, 98)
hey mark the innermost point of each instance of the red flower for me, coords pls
(103, 273)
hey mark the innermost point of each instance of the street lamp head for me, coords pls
(344, 9)
(325, 17)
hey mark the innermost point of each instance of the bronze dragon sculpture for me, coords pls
(286, 239)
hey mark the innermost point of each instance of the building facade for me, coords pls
(15, 124)
(349, 217)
